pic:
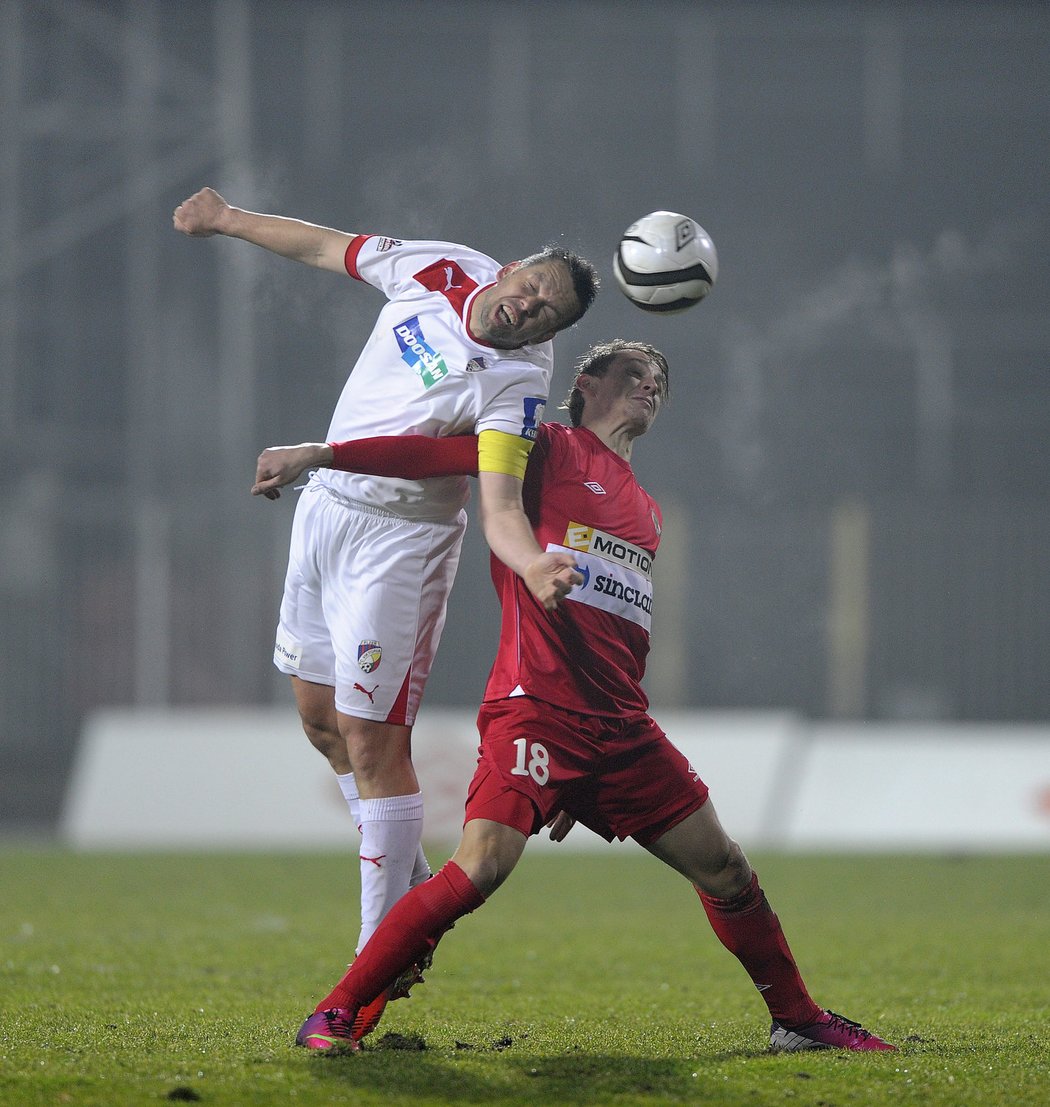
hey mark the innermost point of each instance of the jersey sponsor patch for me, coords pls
(287, 650)
(611, 586)
(534, 406)
(417, 354)
(591, 540)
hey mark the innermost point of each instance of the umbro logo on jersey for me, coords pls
(417, 354)
(595, 487)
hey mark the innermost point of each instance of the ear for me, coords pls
(508, 268)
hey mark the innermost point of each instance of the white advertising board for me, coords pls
(248, 779)
(923, 787)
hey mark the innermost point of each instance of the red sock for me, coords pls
(412, 926)
(748, 928)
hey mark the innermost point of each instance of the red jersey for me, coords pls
(588, 655)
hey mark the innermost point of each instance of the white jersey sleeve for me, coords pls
(405, 268)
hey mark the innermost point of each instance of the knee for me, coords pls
(324, 736)
(488, 861)
(371, 753)
(738, 868)
(381, 754)
(369, 759)
(730, 876)
(485, 871)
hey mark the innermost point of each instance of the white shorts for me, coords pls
(364, 602)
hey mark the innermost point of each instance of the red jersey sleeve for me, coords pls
(410, 456)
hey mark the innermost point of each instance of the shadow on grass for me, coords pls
(405, 1068)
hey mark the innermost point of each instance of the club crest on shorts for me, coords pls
(369, 654)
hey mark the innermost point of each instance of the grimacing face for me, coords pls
(526, 305)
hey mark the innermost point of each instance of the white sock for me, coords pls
(421, 870)
(391, 829)
(348, 786)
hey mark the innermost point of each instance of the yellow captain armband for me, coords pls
(499, 452)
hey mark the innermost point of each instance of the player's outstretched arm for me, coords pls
(206, 213)
(411, 456)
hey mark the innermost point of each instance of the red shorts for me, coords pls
(621, 777)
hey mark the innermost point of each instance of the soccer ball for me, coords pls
(665, 262)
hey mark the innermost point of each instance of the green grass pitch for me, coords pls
(589, 979)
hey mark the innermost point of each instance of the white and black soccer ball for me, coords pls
(665, 262)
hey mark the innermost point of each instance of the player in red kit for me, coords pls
(565, 726)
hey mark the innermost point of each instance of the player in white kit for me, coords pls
(463, 346)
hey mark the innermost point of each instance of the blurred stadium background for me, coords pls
(855, 466)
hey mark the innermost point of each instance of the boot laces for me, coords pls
(339, 1026)
(849, 1025)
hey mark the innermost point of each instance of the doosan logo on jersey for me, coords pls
(417, 354)
(412, 342)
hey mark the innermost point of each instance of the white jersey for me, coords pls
(422, 372)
